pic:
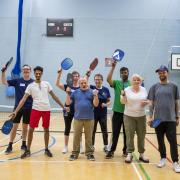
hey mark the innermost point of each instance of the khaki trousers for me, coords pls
(88, 126)
(132, 125)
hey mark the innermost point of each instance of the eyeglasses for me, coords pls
(98, 79)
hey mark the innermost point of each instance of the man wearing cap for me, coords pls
(164, 97)
(20, 86)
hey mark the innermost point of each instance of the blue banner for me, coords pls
(16, 71)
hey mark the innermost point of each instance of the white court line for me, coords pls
(3, 106)
(95, 162)
(4, 138)
(7, 137)
(137, 172)
(2, 152)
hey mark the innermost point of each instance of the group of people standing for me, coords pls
(87, 105)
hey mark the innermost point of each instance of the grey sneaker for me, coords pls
(161, 163)
(176, 167)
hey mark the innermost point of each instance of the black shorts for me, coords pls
(68, 120)
(23, 113)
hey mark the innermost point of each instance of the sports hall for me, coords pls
(46, 32)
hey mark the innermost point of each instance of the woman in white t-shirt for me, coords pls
(135, 99)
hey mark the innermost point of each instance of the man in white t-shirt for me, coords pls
(39, 91)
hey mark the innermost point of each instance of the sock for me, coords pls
(23, 143)
(10, 144)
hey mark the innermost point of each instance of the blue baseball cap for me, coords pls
(162, 68)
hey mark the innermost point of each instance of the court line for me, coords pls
(137, 172)
(4, 138)
(13, 143)
(2, 152)
(142, 168)
(150, 142)
(36, 152)
(77, 161)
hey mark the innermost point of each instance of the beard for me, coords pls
(84, 88)
(163, 78)
(38, 78)
(124, 78)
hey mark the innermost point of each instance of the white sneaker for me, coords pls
(161, 163)
(129, 158)
(105, 149)
(109, 147)
(65, 150)
(176, 167)
(93, 148)
(143, 158)
(81, 150)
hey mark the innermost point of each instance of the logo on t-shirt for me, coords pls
(104, 94)
(22, 84)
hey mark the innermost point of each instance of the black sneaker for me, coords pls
(8, 150)
(26, 153)
(24, 147)
(125, 154)
(143, 159)
(48, 153)
(73, 157)
(91, 157)
(109, 155)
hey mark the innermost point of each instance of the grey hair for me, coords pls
(136, 75)
(82, 78)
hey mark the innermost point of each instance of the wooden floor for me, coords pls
(38, 166)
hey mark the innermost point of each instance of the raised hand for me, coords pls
(95, 92)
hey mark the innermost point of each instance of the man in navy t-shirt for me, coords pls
(100, 112)
(20, 85)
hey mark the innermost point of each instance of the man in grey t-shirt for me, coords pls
(164, 97)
